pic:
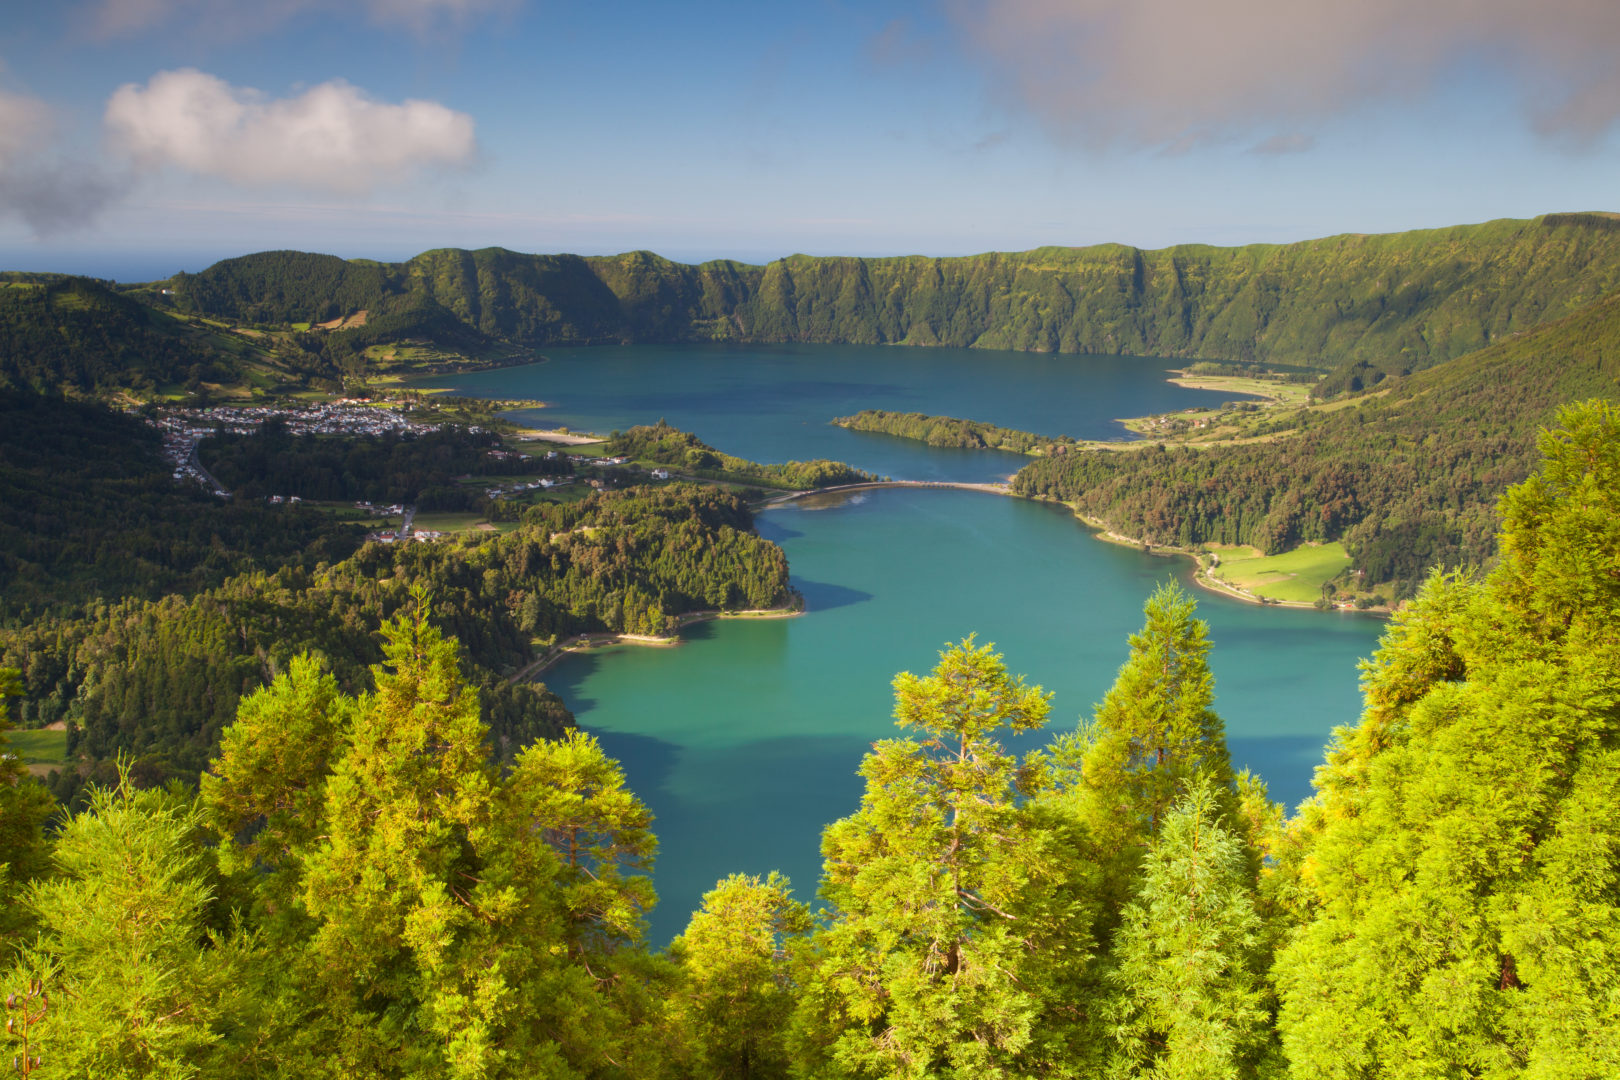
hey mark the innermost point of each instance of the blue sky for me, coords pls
(138, 137)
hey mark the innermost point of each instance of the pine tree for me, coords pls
(947, 928)
(138, 984)
(1156, 732)
(1190, 1001)
(738, 989)
(1463, 860)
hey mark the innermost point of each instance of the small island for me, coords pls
(954, 431)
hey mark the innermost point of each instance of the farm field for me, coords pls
(1296, 575)
(38, 747)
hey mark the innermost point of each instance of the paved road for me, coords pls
(405, 525)
(196, 463)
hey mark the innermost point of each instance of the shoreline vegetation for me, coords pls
(587, 642)
(1204, 564)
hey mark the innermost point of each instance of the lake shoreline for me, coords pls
(586, 642)
(1202, 562)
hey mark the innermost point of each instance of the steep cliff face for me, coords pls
(1390, 304)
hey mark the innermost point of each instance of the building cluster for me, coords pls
(517, 487)
(397, 536)
(184, 428)
(344, 416)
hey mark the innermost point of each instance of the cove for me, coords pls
(745, 739)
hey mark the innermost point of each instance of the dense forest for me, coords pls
(91, 512)
(77, 333)
(360, 888)
(1369, 306)
(1407, 475)
(952, 431)
(662, 444)
(389, 468)
(158, 680)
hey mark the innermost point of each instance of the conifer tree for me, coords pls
(389, 884)
(138, 984)
(737, 988)
(948, 928)
(1464, 857)
(1189, 1001)
(1156, 731)
(430, 917)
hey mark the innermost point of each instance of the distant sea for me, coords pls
(123, 266)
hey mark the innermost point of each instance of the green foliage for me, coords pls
(91, 512)
(78, 334)
(161, 680)
(432, 916)
(737, 991)
(950, 431)
(949, 927)
(664, 445)
(1406, 476)
(24, 808)
(1187, 967)
(1462, 862)
(139, 983)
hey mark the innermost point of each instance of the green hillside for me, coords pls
(1407, 475)
(1361, 306)
(76, 333)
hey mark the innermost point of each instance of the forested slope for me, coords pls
(77, 333)
(90, 511)
(159, 679)
(360, 889)
(1407, 475)
(1369, 305)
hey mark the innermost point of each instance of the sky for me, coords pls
(142, 137)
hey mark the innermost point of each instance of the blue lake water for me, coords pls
(745, 739)
(774, 403)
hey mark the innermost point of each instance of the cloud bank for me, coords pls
(1163, 72)
(115, 18)
(330, 138)
(50, 193)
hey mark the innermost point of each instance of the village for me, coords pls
(184, 428)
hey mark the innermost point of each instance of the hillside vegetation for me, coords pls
(1407, 475)
(1362, 306)
(362, 885)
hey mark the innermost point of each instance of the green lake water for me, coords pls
(745, 739)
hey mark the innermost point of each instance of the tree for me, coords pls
(138, 983)
(1191, 1001)
(737, 991)
(430, 917)
(268, 784)
(1155, 733)
(948, 925)
(24, 808)
(1463, 865)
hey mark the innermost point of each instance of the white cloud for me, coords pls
(1161, 72)
(331, 137)
(50, 193)
(113, 18)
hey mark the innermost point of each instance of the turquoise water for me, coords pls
(745, 740)
(774, 403)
